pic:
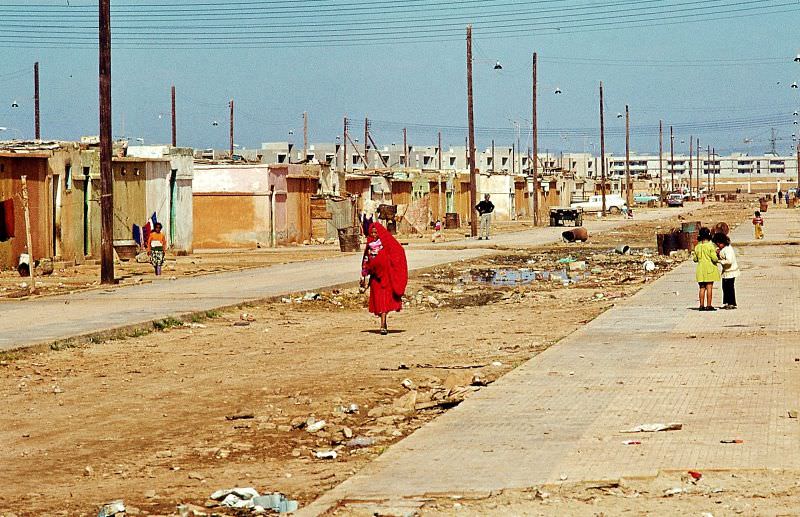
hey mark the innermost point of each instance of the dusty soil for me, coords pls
(762, 493)
(172, 415)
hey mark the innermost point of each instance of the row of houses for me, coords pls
(212, 203)
(509, 159)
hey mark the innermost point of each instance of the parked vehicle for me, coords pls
(644, 198)
(614, 204)
(675, 199)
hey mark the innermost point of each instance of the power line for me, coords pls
(603, 21)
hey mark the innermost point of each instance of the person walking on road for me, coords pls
(706, 273)
(758, 226)
(730, 269)
(385, 264)
(156, 246)
(485, 209)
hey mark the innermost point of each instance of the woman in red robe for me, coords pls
(385, 264)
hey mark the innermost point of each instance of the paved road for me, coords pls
(723, 375)
(30, 322)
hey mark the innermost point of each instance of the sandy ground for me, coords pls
(761, 493)
(172, 415)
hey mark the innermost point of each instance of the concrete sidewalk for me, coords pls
(653, 358)
(30, 322)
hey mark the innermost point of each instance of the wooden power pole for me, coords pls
(366, 142)
(797, 192)
(535, 138)
(602, 152)
(661, 162)
(305, 136)
(691, 150)
(36, 121)
(671, 160)
(174, 120)
(106, 173)
(231, 130)
(405, 148)
(473, 177)
(628, 193)
(344, 144)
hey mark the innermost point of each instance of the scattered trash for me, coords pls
(360, 441)
(649, 266)
(408, 384)
(249, 498)
(631, 442)
(241, 324)
(578, 265)
(497, 363)
(326, 455)
(566, 260)
(247, 317)
(652, 428)
(706, 514)
(112, 509)
(695, 475)
(622, 249)
(562, 477)
(731, 441)
(316, 426)
(672, 491)
(311, 296)
(240, 416)
(792, 413)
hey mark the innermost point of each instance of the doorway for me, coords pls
(87, 198)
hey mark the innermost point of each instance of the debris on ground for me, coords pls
(652, 428)
(112, 509)
(249, 498)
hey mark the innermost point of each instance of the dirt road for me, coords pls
(173, 415)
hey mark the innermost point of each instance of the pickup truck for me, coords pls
(614, 204)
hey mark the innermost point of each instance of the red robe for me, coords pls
(388, 274)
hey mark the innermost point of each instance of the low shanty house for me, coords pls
(232, 206)
(250, 205)
(62, 200)
(141, 189)
(169, 195)
(293, 186)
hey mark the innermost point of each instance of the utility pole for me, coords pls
(661, 162)
(699, 173)
(473, 177)
(231, 130)
(492, 169)
(690, 165)
(716, 171)
(708, 170)
(36, 124)
(440, 150)
(441, 195)
(174, 120)
(797, 192)
(671, 160)
(344, 145)
(305, 136)
(29, 244)
(405, 147)
(628, 193)
(535, 138)
(106, 173)
(513, 159)
(366, 143)
(602, 152)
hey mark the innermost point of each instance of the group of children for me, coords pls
(713, 251)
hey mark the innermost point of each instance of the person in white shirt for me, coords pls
(730, 269)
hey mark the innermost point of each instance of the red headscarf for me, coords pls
(398, 267)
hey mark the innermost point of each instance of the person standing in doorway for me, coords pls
(485, 209)
(156, 246)
(385, 264)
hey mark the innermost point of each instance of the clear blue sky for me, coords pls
(720, 61)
